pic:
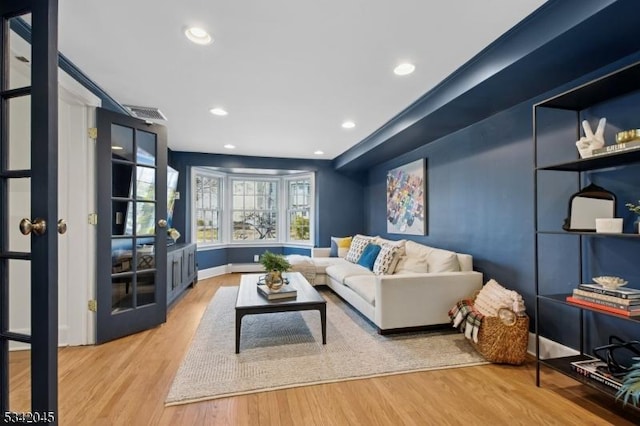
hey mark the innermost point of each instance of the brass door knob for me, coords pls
(62, 226)
(38, 226)
(162, 223)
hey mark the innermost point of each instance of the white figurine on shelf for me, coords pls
(591, 141)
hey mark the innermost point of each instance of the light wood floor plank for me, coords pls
(125, 382)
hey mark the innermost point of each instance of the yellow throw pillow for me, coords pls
(340, 246)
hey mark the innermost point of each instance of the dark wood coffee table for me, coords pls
(251, 302)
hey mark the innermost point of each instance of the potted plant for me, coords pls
(635, 208)
(275, 265)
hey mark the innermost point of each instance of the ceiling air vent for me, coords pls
(145, 113)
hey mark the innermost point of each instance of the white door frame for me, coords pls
(77, 200)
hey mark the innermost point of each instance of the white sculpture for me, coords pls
(591, 141)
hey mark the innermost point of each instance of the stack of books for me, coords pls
(286, 292)
(619, 147)
(621, 301)
(598, 371)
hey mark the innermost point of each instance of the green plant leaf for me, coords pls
(630, 389)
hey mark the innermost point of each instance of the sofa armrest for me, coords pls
(320, 251)
(418, 299)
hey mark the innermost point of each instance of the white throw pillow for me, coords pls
(412, 264)
(443, 261)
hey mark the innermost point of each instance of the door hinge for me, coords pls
(93, 305)
(93, 132)
(93, 218)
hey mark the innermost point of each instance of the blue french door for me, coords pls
(132, 225)
(28, 214)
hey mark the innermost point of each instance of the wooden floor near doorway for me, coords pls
(125, 383)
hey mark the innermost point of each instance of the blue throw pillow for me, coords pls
(369, 255)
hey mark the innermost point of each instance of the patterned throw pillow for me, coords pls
(339, 246)
(387, 260)
(358, 245)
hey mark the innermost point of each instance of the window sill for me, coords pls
(255, 244)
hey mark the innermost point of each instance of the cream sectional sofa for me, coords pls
(424, 285)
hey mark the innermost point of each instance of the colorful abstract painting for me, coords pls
(406, 212)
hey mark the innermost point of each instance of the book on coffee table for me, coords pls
(286, 292)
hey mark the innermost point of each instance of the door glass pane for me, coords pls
(118, 216)
(19, 391)
(146, 288)
(20, 57)
(146, 152)
(146, 260)
(146, 183)
(121, 175)
(121, 255)
(19, 207)
(121, 142)
(128, 223)
(19, 295)
(121, 293)
(145, 218)
(19, 146)
(123, 278)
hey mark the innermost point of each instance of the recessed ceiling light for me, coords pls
(218, 111)
(198, 35)
(229, 146)
(318, 152)
(348, 125)
(404, 69)
(116, 148)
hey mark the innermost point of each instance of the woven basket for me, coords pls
(503, 343)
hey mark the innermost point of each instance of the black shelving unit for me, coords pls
(611, 86)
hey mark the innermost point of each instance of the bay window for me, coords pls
(258, 207)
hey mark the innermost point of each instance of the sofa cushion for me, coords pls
(443, 261)
(363, 286)
(437, 260)
(321, 263)
(387, 259)
(340, 246)
(358, 245)
(369, 255)
(344, 270)
(409, 264)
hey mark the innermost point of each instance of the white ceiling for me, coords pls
(289, 72)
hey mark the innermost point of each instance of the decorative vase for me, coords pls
(636, 225)
(274, 280)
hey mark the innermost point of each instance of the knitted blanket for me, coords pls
(466, 319)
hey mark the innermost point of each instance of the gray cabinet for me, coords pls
(181, 269)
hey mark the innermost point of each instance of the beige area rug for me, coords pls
(285, 350)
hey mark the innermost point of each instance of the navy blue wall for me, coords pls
(479, 196)
(480, 200)
(339, 200)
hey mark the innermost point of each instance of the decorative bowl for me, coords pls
(610, 282)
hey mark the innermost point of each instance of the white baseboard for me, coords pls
(212, 272)
(245, 267)
(63, 341)
(549, 348)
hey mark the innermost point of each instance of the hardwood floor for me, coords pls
(126, 381)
